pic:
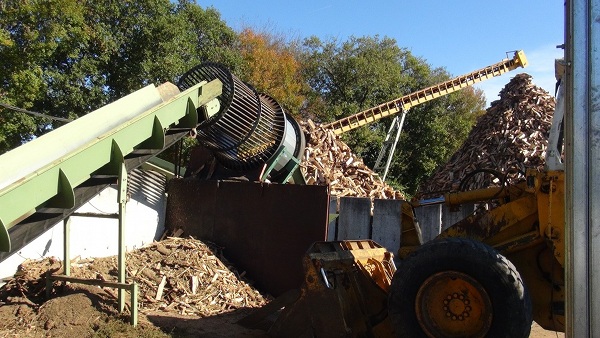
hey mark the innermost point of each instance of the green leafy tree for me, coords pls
(66, 58)
(31, 33)
(432, 133)
(354, 75)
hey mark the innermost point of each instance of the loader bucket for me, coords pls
(344, 292)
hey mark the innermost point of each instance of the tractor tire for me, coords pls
(457, 287)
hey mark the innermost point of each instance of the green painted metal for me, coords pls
(292, 168)
(122, 198)
(164, 167)
(65, 197)
(4, 237)
(44, 172)
(134, 303)
(67, 246)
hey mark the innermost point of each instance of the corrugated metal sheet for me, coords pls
(148, 185)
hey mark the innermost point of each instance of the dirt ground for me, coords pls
(186, 289)
(88, 311)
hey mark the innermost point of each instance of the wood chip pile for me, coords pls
(179, 275)
(512, 134)
(329, 161)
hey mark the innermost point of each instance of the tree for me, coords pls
(432, 133)
(360, 73)
(81, 55)
(270, 65)
(353, 75)
(29, 38)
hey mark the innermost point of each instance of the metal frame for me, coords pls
(292, 168)
(121, 285)
(389, 147)
(87, 153)
(46, 172)
(424, 95)
(583, 167)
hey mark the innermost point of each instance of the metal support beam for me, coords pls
(389, 146)
(67, 246)
(122, 198)
(59, 170)
(582, 122)
(121, 285)
(291, 168)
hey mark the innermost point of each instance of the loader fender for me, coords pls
(457, 287)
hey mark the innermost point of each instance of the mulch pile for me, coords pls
(180, 275)
(509, 137)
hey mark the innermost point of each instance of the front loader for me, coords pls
(488, 275)
(491, 273)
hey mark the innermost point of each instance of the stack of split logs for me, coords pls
(510, 137)
(190, 277)
(329, 161)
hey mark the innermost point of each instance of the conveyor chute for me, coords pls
(45, 179)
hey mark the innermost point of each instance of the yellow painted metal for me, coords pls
(344, 292)
(501, 224)
(408, 101)
(528, 227)
(542, 266)
(453, 304)
(44, 171)
(544, 278)
(410, 236)
(551, 209)
(471, 196)
(525, 214)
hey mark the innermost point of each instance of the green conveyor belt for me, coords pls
(46, 173)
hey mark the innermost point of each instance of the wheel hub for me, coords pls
(457, 307)
(453, 304)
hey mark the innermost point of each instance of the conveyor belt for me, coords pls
(408, 101)
(45, 180)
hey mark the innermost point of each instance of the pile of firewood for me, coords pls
(179, 275)
(189, 277)
(329, 161)
(510, 137)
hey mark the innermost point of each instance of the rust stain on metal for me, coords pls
(265, 229)
(480, 226)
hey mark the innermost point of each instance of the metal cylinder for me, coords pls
(289, 145)
(249, 128)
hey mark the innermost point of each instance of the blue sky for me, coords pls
(460, 36)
